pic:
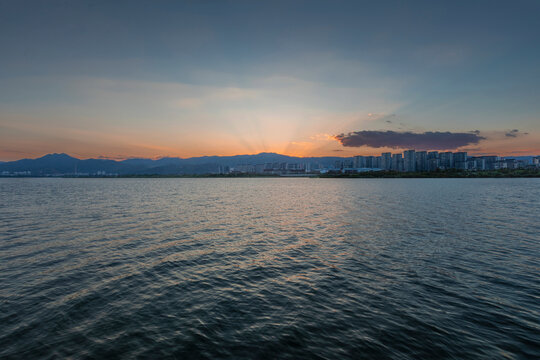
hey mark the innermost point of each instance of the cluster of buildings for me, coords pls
(408, 161)
(99, 173)
(412, 160)
(15, 173)
(278, 168)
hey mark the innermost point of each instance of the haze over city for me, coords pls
(124, 79)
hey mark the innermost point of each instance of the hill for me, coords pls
(64, 164)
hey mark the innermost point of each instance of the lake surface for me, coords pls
(270, 268)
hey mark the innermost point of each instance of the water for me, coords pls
(270, 268)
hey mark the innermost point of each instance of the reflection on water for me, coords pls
(266, 268)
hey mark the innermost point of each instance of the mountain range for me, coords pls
(63, 164)
(60, 164)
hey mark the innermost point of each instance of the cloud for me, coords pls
(512, 133)
(430, 140)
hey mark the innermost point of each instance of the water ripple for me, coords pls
(269, 268)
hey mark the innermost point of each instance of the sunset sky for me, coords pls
(119, 79)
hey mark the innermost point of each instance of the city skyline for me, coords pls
(409, 161)
(184, 79)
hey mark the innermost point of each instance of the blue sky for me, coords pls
(144, 78)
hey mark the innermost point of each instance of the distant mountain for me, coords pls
(63, 164)
(48, 164)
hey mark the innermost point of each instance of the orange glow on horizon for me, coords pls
(297, 149)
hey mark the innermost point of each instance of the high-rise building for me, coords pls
(377, 162)
(421, 161)
(460, 160)
(369, 161)
(433, 160)
(359, 162)
(490, 162)
(446, 160)
(476, 163)
(480, 163)
(409, 160)
(386, 161)
(433, 164)
(460, 156)
(510, 164)
(397, 162)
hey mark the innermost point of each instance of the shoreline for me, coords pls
(456, 174)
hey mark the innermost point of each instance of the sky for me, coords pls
(121, 79)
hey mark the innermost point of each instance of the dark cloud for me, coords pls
(512, 133)
(515, 133)
(430, 140)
